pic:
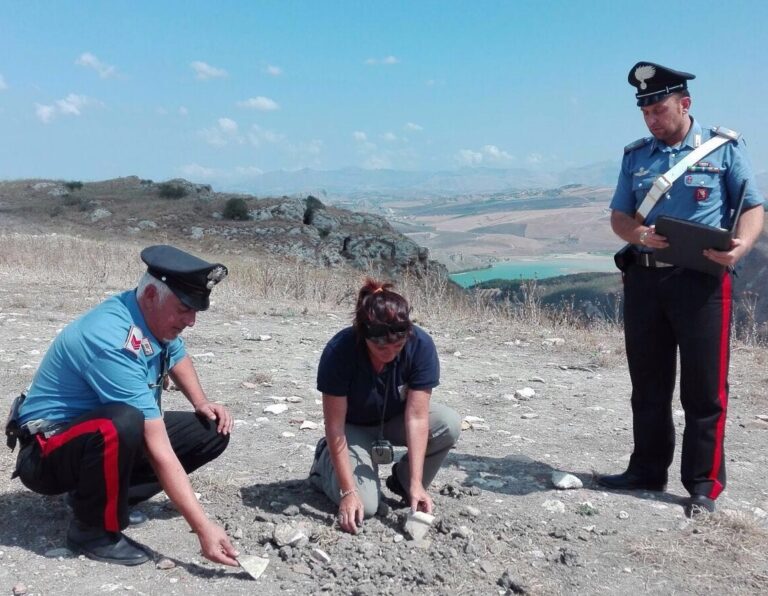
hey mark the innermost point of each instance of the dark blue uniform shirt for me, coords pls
(345, 370)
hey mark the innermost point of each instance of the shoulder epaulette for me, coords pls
(637, 144)
(726, 132)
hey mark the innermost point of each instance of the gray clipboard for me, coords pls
(688, 240)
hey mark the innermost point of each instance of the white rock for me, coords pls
(204, 355)
(529, 416)
(253, 565)
(308, 425)
(473, 419)
(623, 515)
(287, 434)
(55, 553)
(248, 385)
(554, 341)
(275, 409)
(321, 556)
(525, 393)
(564, 481)
(554, 506)
(417, 524)
(264, 337)
(287, 535)
(762, 417)
(294, 399)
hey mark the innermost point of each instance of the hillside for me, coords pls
(195, 216)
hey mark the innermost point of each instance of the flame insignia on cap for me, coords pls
(215, 276)
(643, 73)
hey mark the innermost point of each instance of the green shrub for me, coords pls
(168, 190)
(73, 185)
(236, 209)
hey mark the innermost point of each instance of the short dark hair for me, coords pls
(378, 304)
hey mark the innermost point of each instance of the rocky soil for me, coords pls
(535, 401)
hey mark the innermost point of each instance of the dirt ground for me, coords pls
(501, 526)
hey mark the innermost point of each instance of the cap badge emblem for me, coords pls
(215, 276)
(643, 73)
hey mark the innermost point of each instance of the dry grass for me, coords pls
(735, 541)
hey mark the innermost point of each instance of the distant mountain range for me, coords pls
(352, 182)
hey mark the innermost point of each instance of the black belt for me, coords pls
(646, 259)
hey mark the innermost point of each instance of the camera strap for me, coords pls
(384, 405)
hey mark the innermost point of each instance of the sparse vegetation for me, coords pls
(168, 190)
(236, 209)
(73, 185)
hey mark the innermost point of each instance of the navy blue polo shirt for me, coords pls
(345, 370)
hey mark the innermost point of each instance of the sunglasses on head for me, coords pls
(383, 333)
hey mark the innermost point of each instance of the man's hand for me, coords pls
(351, 512)
(214, 411)
(216, 546)
(420, 499)
(730, 257)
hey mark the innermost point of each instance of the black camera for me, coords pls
(382, 452)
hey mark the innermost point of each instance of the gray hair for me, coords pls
(163, 291)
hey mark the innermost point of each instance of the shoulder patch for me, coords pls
(637, 144)
(726, 132)
(133, 341)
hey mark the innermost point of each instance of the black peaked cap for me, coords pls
(190, 278)
(654, 82)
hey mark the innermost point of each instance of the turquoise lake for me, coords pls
(538, 268)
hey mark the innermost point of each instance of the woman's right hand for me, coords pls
(350, 513)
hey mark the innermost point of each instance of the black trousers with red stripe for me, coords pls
(667, 310)
(100, 458)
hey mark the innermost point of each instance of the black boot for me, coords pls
(108, 547)
(631, 481)
(135, 517)
(393, 484)
(699, 506)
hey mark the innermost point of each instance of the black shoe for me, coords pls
(630, 481)
(698, 506)
(394, 485)
(108, 547)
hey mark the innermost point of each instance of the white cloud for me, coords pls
(377, 162)
(534, 158)
(360, 136)
(183, 111)
(204, 71)
(225, 132)
(497, 155)
(263, 104)
(71, 105)
(273, 70)
(161, 111)
(196, 171)
(257, 136)
(3, 84)
(389, 136)
(413, 126)
(387, 60)
(88, 60)
(469, 157)
(249, 171)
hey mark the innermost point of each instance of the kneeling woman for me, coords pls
(376, 378)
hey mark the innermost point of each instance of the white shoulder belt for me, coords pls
(664, 182)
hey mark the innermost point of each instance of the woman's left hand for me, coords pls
(420, 500)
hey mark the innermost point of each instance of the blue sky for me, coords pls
(218, 92)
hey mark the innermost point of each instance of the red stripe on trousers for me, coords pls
(109, 461)
(722, 395)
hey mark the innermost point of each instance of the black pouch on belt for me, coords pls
(623, 258)
(12, 429)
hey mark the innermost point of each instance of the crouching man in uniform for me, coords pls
(92, 424)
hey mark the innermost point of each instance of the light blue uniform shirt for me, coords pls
(108, 355)
(705, 193)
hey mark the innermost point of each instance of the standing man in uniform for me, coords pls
(668, 308)
(92, 423)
